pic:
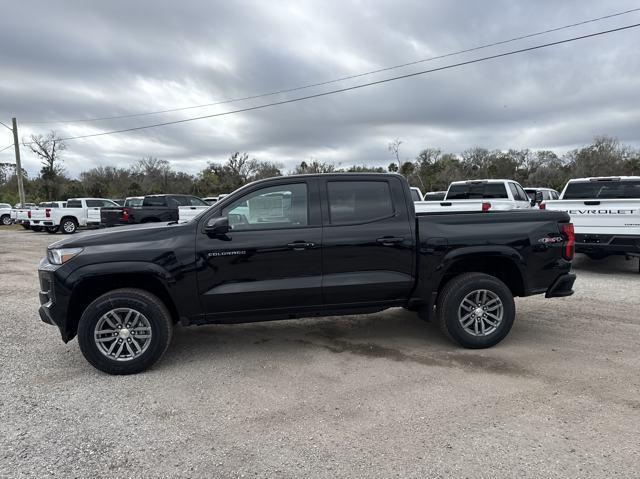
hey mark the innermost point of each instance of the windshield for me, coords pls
(579, 190)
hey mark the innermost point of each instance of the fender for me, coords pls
(428, 284)
(182, 293)
(119, 267)
(485, 250)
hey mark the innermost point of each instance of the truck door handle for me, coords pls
(300, 245)
(389, 240)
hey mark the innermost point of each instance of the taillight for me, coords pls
(542, 206)
(29, 214)
(47, 212)
(486, 206)
(125, 214)
(570, 244)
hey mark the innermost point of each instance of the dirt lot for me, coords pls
(363, 396)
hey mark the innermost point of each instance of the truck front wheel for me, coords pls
(125, 331)
(475, 310)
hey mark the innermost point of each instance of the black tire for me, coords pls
(68, 225)
(449, 304)
(146, 303)
(52, 229)
(36, 228)
(5, 220)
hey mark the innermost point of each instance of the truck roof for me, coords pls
(605, 178)
(489, 180)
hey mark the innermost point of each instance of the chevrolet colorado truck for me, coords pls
(298, 247)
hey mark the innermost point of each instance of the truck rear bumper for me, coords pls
(562, 286)
(605, 245)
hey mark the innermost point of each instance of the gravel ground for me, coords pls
(382, 395)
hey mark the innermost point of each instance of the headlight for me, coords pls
(62, 255)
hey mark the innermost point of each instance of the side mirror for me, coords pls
(217, 226)
(533, 201)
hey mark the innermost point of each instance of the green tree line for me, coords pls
(432, 170)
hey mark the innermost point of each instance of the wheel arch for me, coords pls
(506, 266)
(90, 287)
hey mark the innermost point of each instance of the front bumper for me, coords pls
(562, 286)
(53, 306)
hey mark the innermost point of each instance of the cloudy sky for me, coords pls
(72, 60)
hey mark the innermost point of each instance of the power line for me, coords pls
(7, 127)
(6, 147)
(350, 77)
(355, 87)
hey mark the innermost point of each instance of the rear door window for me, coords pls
(359, 201)
(74, 204)
(602, 190)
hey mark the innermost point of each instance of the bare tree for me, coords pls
(394, 148)
(48, 149)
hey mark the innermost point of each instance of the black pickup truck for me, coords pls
(154, 209)
(301, 246)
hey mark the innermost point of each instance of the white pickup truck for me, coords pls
(20, 214)
(5, 214)
(78, 212)
(41, 217)
(479, 195)
(605, 212)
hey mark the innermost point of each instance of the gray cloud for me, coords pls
(84, 59)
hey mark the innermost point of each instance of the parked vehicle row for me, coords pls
(153, 209)
(479, 195)
(68, 216)
(291, 247)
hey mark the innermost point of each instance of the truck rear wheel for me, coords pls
(475, 310)
(125, 331)
(5, 220)
(68, 225)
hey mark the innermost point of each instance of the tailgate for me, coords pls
(109, 216)
(40, 214)
(187, 213)
(447, 206)
(613, 217)
(93, 215)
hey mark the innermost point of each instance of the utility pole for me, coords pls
(16, 146)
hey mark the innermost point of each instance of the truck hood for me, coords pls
(123, 235)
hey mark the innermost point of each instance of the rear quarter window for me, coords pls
(359, 201)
